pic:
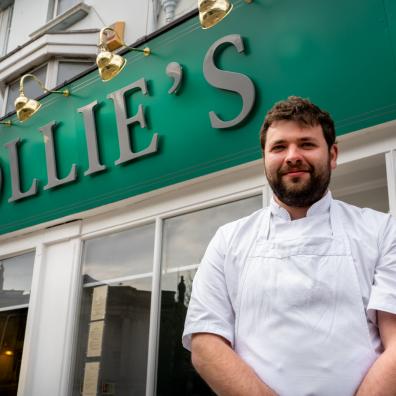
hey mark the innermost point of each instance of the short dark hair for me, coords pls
(302, 111)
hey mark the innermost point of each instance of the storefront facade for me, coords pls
(110, 196)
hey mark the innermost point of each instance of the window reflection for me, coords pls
(185, 241)
(362, 183)
(186, 236)
(120, 254)
(15, 283)
(112, 345)
(12, 333)
(15, 280)
(117, 339)
(176, 375)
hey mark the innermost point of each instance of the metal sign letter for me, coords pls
(230, 81)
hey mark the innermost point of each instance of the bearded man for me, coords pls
(298, 298)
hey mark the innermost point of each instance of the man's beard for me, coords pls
(305, 195)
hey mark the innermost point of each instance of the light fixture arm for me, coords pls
(64, 92)
(7, 123)
(103, 45)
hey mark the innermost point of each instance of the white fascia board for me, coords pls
(45, 47)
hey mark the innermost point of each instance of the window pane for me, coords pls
(122, 254)
(15, 280)
(185, 241)
(115, 315)
(186, 237)
(64, 5)
(362, 183)
(31, 88)
(12, 333)
(5, 21)
(67, 70)
(15, 284)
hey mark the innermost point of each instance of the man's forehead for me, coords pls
(283, 129)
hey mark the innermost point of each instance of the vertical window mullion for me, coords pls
(52, 72)
(155, 311)
(5, 99)
(390, 161)
(56, 6)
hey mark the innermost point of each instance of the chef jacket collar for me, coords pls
(320, 207)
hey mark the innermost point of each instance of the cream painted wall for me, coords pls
(135, 13)
(26, 18)
(141, 17)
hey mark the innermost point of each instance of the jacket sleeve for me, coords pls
(210, 309)
(383, 292)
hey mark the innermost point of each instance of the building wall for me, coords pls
(30, 44)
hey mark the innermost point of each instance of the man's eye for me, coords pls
(277, 148)
(307, 144)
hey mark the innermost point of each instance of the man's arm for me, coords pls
(224, 371)
(381, 378)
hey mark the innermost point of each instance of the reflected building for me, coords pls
(12, 332)
(176, 375)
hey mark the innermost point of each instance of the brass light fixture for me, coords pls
(8, 123)
(110, 64)
(211, 12)
(26, 107)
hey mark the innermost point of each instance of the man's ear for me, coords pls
(333, 156)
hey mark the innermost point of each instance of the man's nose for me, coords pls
(293, 155)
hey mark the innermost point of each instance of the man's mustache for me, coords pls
(296, 168)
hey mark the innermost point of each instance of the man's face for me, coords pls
(298, 163)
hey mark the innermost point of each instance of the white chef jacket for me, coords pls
(372, 237)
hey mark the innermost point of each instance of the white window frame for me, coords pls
(6, 13)
(54, 6)
(53, 75)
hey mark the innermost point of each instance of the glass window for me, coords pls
(64, 5)
(69, 69)
(31, 88)
(362, 183)
(115, 313)
(185, 240)
(15, 284)
(5, 23)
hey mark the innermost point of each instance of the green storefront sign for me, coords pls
(109, 141)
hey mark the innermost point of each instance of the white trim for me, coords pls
(70, 341)
(25, 243)
(29, 349)
(390, 160)
(155, 312)
(118, 280)
(12, 307)
(175, 270)
(52, 73)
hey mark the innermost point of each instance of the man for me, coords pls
(299, 298)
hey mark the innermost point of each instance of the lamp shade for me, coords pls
(25, 107)
(109, 64)
(211, 12)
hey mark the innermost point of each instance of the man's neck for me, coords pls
(294, 211)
